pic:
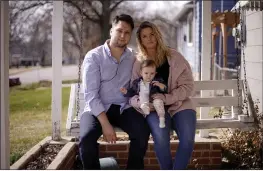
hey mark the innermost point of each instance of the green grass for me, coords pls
(30, 117)
(70, 81)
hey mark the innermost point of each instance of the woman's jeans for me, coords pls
(184, 124)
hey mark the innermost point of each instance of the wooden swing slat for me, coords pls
(215, 101)
(201, 124)
(216, 85)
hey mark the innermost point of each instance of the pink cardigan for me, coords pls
(180, 84)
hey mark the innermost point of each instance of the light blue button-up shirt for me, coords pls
(103, 77)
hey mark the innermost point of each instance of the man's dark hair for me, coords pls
(147, 63)
(123, 17)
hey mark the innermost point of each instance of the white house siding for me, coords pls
(180, 37)
(183, 47)
(254, 54)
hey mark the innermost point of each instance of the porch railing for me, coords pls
(223, 73)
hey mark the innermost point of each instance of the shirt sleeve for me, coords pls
(184, 89)
(91, 85)
(133, 89)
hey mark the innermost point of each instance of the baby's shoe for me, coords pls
(161, 122)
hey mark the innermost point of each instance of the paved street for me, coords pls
(35, 75)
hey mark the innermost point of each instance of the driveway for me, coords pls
(68, 73)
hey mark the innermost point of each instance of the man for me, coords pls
(106, 69)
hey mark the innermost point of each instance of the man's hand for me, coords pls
(160, 85)
(123, 90)
(151, 107)
(108, 132)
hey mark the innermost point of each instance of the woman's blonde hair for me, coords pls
(162, 50)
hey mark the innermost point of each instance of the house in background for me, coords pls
(189, 31)
(252, 27)
(189, 40)
(185, 32)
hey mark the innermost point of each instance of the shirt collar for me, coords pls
(107, 48)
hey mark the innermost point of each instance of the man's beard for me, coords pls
(120, 45)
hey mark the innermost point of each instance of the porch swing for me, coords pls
(239, 87)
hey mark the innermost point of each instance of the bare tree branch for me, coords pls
(32, 5)
(160, 18)
(93, 9)
(72, 33)
(115, 5)
(79, 8)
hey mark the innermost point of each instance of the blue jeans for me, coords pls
(184, 124)
(130, 121)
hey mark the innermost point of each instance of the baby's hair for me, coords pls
(147, 63)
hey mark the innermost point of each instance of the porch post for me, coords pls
(4, 92)
(57, 32)
(206, 57)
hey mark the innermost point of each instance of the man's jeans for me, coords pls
(184, 124)
(130, 121)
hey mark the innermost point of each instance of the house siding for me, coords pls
(182, 45)
(187, 50)
(253, 54)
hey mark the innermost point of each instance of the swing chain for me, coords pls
(238, 65)
(80, 57)
(241, 12)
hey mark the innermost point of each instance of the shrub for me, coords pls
(243, 149)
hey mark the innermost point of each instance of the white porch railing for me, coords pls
(223, 73)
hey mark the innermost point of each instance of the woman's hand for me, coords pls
(160, 85)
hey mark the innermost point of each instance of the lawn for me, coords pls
(30, 117)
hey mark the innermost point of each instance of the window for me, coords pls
(190, 29)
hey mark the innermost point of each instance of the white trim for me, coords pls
(190, 44)
(183, 10)
(4, 92)
(57, 40)
(239, 4)
(206, 52)
(71, 106)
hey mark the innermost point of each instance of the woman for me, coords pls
(181, 114)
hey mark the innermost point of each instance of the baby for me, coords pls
(145, 87)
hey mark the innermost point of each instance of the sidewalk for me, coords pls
(14, 71)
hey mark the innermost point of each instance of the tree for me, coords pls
(98, 12)
(26, 36)
(20, 14)
(31, 24)
(25, 18)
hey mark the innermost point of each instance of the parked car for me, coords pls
(14, 82)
